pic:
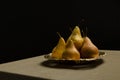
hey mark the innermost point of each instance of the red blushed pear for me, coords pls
(89, 50)
(70, 53)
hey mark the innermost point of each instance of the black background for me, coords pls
(31, 28)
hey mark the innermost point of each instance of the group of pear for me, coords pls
(75, 48)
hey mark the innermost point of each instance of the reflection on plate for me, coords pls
(101, 54)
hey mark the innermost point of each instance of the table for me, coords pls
(39, 68)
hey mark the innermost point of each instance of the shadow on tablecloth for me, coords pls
(13, 76)
(72, 65)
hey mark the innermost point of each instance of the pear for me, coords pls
(70, 53)
(76, 37)
(58, 49)
(89, 50)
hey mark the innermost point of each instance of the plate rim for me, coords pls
(101, 54)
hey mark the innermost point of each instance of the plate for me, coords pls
(101, 54)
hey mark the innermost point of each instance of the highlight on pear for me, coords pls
(75, 48)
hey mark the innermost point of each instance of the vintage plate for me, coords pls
(101, 54)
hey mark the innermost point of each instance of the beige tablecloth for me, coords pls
(39, 68)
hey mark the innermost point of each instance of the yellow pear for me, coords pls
(58, 49)
(76, 37)
(89, 50)
(70, 52)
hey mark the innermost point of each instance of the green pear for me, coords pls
(70, 52)
(76, 37)
(89, 50)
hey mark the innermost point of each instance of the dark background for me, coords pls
(30, 27)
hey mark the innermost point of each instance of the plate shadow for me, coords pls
(72, 65)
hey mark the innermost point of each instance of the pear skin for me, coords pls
(89, 50)
(58, 49)
(70, 52)
(76, 37)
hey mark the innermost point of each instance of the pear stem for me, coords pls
(85, 32)
(59, 34)
(70, 29)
